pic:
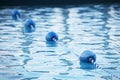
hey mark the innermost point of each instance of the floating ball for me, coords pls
(51, 37)
(87, 56)
(16, 14)
(29, 25)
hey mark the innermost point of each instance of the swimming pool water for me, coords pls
(27, 56)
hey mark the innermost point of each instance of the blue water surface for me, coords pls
(27, 56)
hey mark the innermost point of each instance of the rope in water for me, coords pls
(16, 15)
(86, 56)
(97, 66)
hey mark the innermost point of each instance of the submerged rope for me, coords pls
(97, 66)
(90, 59)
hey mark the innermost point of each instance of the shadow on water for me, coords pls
(65, 14)
(25, 46)
(28, 39)
(67, 38)
(66, 62)
(87, 66)
(104, 28)
(51, 44)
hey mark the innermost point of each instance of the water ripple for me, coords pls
(27, 56)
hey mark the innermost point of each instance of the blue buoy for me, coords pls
(16, 14)
(87, 56)
(51, 37)
(29, 26)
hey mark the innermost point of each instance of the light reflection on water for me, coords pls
(27, 56)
